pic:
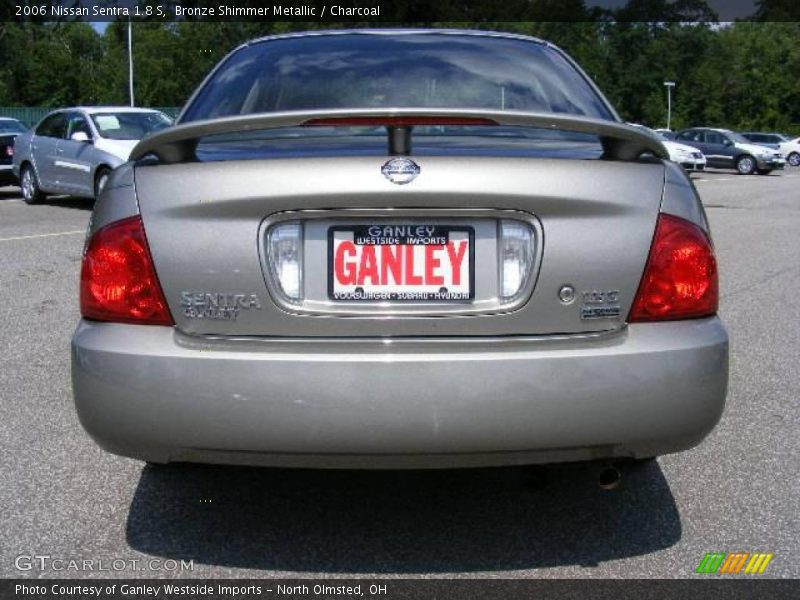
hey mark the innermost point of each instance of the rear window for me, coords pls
(290, 142)
(420, 70)
(11, 126)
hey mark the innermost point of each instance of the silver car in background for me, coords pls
(398, 249)
(72, 150)
(788, 147)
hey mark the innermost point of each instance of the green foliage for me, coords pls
(49, 64)
(742, 75)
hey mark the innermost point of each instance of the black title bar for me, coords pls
(401, 11)
(394, 589)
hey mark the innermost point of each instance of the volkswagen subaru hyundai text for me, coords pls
(398, 249)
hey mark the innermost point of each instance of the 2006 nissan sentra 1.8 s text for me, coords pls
(398, 249)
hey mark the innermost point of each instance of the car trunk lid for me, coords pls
(593, 221)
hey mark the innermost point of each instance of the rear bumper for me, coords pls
(152, 393)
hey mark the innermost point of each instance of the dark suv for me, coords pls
(725, 149)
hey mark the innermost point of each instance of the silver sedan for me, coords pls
(399, 249)
(72, 150)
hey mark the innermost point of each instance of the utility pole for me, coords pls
(670, 85)
(130, 61)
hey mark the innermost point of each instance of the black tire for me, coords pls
(29, 182)
(793, 159)
(764, 171)
(746, 164)
(100, 179)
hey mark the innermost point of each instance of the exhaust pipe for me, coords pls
(608, 477)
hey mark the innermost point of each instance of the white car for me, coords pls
(689, 157)
(795, 141)
(788, 147)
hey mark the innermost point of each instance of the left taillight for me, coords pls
(118, 279)
(9, 150)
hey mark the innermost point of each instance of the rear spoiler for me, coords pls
(177, 144)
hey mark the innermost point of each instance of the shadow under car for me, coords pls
(398, 521)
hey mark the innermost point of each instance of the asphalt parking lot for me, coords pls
(63, 497)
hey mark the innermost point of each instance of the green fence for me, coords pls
(30, 115)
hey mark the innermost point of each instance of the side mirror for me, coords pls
(727, 142)
(79, 136)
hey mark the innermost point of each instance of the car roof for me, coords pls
(99, 109)
(91, 110)
(717, 129)
(398, 31)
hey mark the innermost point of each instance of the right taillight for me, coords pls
(680, 279)
(118, 279)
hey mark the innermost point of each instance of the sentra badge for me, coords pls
(600, 304)
(400, 170)
(215, 305)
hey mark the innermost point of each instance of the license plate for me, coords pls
(401, 263)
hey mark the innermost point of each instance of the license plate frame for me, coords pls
(463, 232)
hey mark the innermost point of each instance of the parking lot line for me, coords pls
(41, 235)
